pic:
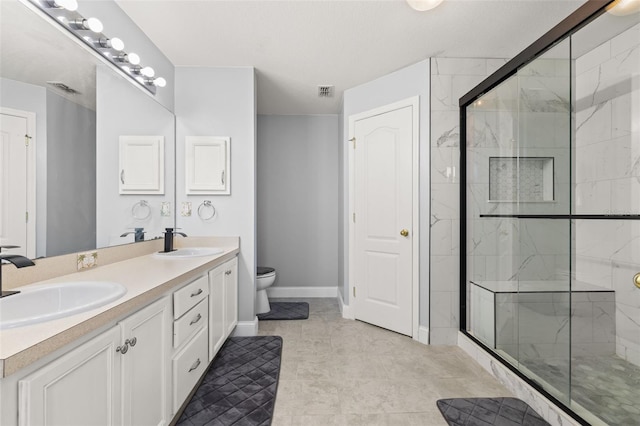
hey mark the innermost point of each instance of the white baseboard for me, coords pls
(246, 328)
(345, 310)
(423, 335)
(302, 292)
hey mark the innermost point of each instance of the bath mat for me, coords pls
(489, 411)
(240, 386)
(286, 311)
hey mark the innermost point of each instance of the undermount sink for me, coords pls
(186, 252)
(44, 302)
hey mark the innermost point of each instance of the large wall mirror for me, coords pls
(62, 195)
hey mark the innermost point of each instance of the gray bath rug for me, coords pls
(488, 412)
(286, 311)
(240, 387)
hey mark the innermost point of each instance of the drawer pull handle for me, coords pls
(123, 349)
(228, 272)
(195, 365)
(198, 318)
(196, 293)
(131, 342)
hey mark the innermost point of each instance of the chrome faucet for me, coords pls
(138, 234)
(17, 260)
(168, 239)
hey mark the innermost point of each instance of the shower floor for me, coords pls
(606, 386)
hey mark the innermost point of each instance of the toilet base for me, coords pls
(262, 302)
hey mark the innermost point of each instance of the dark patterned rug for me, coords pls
(240, 386)
(286, 311)
(489, 412)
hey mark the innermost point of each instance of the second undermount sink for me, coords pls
(44, 302)
(187, 252)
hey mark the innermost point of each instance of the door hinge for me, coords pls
(354, 218)
(27, 140)
(354, 142)
(354, 292)
(26, 217)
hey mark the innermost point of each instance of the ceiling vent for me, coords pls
(63, 87)
(325, 91)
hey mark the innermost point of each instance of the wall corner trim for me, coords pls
(246, 328)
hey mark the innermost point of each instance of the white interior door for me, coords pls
(383, 192)
(13, 183)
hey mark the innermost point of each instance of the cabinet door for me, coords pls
(146, 364)
(207, 165)
(231, 294)
(80, 388)
(217, 329)
(141, 165)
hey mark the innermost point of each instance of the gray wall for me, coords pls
(402, 84)
(297, 171)
(221, 102)
(71, 176)
(28, 97)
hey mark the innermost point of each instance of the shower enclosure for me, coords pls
(551, 215)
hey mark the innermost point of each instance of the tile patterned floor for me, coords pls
(344, 372)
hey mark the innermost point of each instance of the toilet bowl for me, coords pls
(266, 277)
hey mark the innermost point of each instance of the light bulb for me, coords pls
(423, 5)
(160, 82)
(94, 25)
(66, 4)
(133, 58)
(147, 72)
(116, 44)
(624, 7)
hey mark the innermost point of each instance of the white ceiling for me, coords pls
(296, 45)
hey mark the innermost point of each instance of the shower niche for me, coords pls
(519, 179)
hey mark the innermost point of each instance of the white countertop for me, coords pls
(146, 278)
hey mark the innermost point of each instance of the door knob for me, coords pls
(404, 233)
(636, 280)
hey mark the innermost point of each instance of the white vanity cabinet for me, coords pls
(120, 377)
(223, 304)
(190, 338)
(145, 365)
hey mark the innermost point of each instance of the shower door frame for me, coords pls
(574, 22)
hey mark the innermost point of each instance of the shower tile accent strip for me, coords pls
(240, 386)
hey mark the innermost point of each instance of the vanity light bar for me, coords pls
(89, 30)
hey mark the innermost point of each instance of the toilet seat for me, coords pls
(265, 271)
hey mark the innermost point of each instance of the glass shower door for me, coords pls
(543, 274)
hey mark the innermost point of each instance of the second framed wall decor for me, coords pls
(208, 165)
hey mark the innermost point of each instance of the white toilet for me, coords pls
(266, 277)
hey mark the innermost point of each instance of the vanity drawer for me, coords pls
(189, 296)
(188, 366)
(189, 323)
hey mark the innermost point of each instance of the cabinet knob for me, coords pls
(132, 342)
(195, 365)
(198, 318)
(196, 293)
(123, 349)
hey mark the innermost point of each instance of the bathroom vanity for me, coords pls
(133, 361)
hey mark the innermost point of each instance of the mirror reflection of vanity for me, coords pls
(70, 184)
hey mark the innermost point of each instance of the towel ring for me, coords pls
(206, 204)
(141, 210)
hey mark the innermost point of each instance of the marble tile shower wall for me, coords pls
(607, 178)
(450, 79)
